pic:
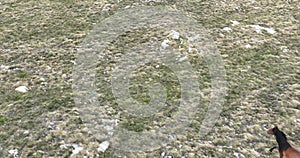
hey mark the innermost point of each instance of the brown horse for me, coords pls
(285, 149)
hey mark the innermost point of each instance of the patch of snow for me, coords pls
(165, 44)
(247, 46)
(285, 50)
(4, 67)
(14, 152)
(51, 125)
(182, 58)
(238, 155)
(191, 39)
(64, 146)
(108, 128)
(40, 151)
(42, 79)
(162, 154)
(228, 29)
(73, 62)
(270, 30)
(22, 89)
(76, 149)
(64, 76)
(234, 23)
(174, 34)
(44, 83)
(103, 146)
(259, 28)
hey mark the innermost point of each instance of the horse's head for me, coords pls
(273, 130)
(279, 134)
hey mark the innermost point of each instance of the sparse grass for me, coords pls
(2, 120)
(39, 46)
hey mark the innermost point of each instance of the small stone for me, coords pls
(162, 154)
(76, 149)
(165, 44)
(247, 46)
(13, 152)
(228, 29)
(22, 89)
(174, 34)
(182, 58)
(42, 79)
(103, 146)
(234, 23)
(4, 67)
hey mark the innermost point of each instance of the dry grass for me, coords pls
(39, 42)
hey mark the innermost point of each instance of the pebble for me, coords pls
(227, 29)
(234, 23)
(22, 89)
(165, 44)
(76, 149)
(174, 34)
(103, 146)
(13, 152)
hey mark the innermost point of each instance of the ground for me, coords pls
(258, 42)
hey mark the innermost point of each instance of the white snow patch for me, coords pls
(40, 151)
(76, 149)
(22, 89)
(174, 34)
(191, 39)
(103, 146)
(182, 58)
(234, 23)
(64, 76)
(228, 29)
(4, 67)
(247, 46)
(63, 146)
(162, 154)
(42, 79)
(285, 50)
(165, 44)
(238, 155)
(259, 28)
(14, 152)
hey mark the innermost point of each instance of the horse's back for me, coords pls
(291, 153)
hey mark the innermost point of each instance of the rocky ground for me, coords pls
(258, 42)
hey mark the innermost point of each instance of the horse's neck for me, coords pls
(282, 142)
